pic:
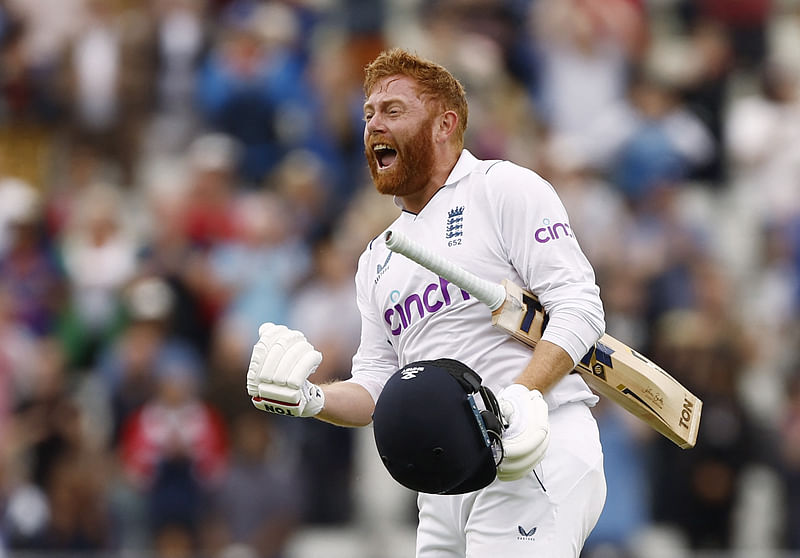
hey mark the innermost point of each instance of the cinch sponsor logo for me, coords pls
(416, 305)
(552, 232)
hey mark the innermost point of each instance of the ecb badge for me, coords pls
(454, 226)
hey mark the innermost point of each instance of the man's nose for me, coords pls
(375, 124)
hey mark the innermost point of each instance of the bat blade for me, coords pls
(611, 368)
(615, 371)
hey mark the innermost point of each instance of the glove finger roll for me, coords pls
(256, 361)
(272, 371)
(265, 328)
(518, 466)
(268, 332)
(304, 366)
(286, 367)
(524, 445)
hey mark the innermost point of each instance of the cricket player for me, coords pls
(500, 221)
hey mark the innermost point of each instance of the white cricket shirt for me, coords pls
(499, 221)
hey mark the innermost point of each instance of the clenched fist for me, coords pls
(277, 378)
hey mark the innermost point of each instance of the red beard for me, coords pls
(413, 167)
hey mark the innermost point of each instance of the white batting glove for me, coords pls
(281, 362)
(528, 434)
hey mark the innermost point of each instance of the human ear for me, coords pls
(445, 126)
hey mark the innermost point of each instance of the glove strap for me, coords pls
(277, 407)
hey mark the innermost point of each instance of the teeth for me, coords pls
(380, 146)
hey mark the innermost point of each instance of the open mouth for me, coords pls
(384, 155)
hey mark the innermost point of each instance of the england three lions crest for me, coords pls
(455, 223)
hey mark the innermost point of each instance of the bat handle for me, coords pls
(491, 294)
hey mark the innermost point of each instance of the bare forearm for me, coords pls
(548, 365)
(346, 404)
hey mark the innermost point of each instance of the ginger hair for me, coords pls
(433, 80)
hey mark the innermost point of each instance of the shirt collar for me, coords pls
(465, 165)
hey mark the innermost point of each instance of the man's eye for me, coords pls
(367, 117)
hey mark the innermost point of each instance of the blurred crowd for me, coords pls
(175, 172)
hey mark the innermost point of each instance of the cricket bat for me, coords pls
(611, 368)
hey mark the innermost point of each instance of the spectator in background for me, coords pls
(19, 201)
(365, 218)
(249, 84)
(504, 24)
(80, 169)
(24, 509)
(763, 143)
(127, 367)
(324, 305)
(334, 73)
(649, 140)
(201, 216)
(105, 84)
(324, 308)
(24, 96)
(302, 181)
(793, 236)
(211, 190)
(46, 418)
(789, 447)
(473, 38)
(585, 50)
(99, 254)
(668, 248)
(18, 350)
(707, 351)
(9, 20)
(256, 272)
(183, 38)
(229, 353)
(745, 21)
(169, 252)
(255, 509)
(51, 435)
(771, 304)
(29, 103)
(704, 82)
(174, 449)
(49, 27)
(29, 265)
(81, 519)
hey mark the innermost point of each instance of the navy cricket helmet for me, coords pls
(430, 433)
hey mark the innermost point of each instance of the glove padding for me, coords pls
(526, 438)
(280, 364)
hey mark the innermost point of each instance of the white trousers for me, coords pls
(547, 514)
